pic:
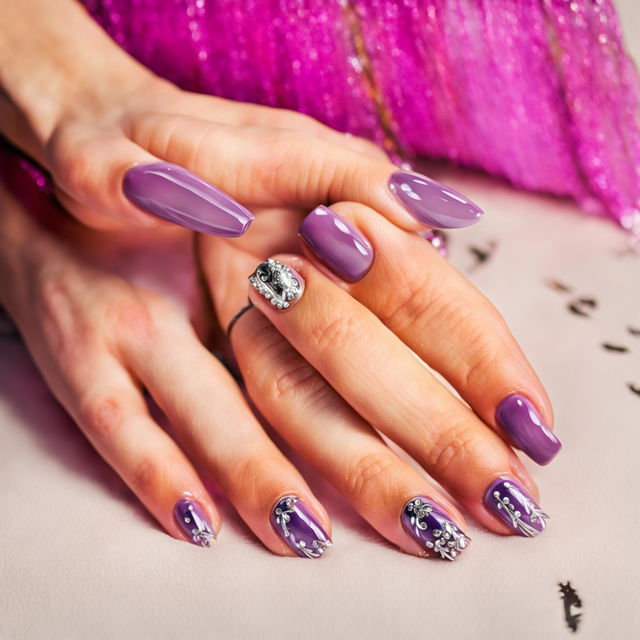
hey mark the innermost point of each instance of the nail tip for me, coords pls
(299, 528)
(431, 527)
(508, 501)
(433, 203)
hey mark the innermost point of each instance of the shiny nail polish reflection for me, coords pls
(515, 507)
(433, 529)
(299, 528)
(194, 522)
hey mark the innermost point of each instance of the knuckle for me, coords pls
(334, 334)
(146, 474)
(144, 318)
(102, 416)
(289, 119)
(453, 446)
(73, 162)
(486, 359)
(416, 298)
(371, 468)
(295, 380)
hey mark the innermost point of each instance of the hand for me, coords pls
(121, 143)
(332, 367)
(99, 341)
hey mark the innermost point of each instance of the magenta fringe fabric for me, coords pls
(539, 92)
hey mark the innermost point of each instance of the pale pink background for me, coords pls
(80, 559)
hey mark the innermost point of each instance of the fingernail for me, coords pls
(298, 527)
(515, 507)
(278, 283)
(433, 203)
(433, 529)
(337, 243)
(194, 522)
(526, 428)
(177, 195)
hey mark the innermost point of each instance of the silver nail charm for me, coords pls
(278, 283)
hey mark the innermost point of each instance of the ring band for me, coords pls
(237, 317)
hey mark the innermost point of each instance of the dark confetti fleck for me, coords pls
(580, 306)
(570, 599)
(634, 332)
(482, 255)
(617, 348)
(634, 388)
(556, 285)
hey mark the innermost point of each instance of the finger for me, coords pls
(310, 415)
(243, 114)
(109, 182)
(215, 426)
(273, 167)
(111, 412)
(391, 389)
(469, 343)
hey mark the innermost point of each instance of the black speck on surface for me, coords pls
(616, 348)
(634, 388)
(556, 285)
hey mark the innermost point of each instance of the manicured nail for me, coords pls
(177, 195)
(433, 203)
(194, 522)
(514, 506)
(526, 428)
(433, 529)
(278, 283)
(337, 243)
(300, 530)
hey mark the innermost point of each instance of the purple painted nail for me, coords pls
(278, 283)
(526, 429)
(177, 195)
(514, 506)
(337, 243)
(433, 529)
(299, 528)
(194, 522)
(433, 203)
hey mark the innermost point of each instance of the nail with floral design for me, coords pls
(299, 528)
(194, 522)
(433, 529)
(515, 507)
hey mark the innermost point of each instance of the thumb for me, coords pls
(109, 182)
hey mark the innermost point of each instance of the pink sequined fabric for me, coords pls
(537, 91)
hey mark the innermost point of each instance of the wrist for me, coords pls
(56, 64)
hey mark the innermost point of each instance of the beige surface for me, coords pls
(80, 559)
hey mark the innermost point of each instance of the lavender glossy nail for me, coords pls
(510, 502)
(337, 243)
(172, 193)
(433, 529)
(432, 203)
(526, 428)
(298, 527)
(194, 522)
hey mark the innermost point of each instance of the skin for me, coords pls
(313, 372)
